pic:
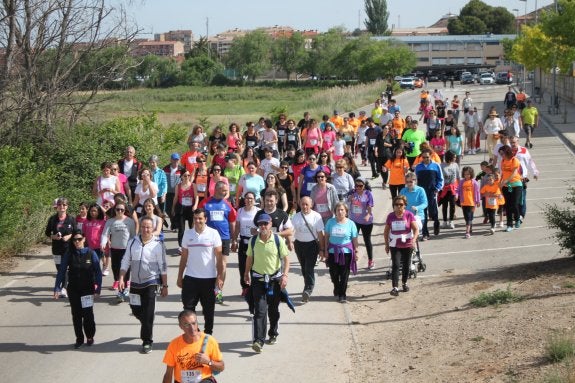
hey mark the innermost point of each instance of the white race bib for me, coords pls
(281, 133)
(87, 301)
(251, 144)
(338, 232)
(356, 209)
(492, 201)
(191, 376)
(313, 141)
(372, 141)
(201, 187)
(57, 259)
(321, 207)
(216, 215)
(192, 160)
(232, 188)
(310, 186)
(186, 201)
(398, 225)
(135, 300)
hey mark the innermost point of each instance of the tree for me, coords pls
(288, 53)
(325, 47)
(48, 44)
(250, 54)
(377, 15)
(199, 70)
(476, 18)
(200, 48)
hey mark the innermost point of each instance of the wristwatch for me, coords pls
(210, 363)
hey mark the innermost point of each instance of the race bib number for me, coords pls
(398, 225)
(135, 300)
(338, 232)
(492, 201)
(321, 207)
(192, 160)
(372, 141)
(139, 210)
(191, 376)
(201, 187)
(251, 144)
(356, 209)
(313, 141)
(57, 259)
(246, 231)
(310, 186)
(87, 301)
(281, 133)
(217, 215)
(186, 201)
(232, 188)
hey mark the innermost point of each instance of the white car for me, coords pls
(407, 82)
(486, 78)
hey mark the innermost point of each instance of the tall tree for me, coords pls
(476, 18)
(325, 48)
(250, 54)
(377, 15)
(47, 43)
(288, 53)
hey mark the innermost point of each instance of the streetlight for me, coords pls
(525, 23)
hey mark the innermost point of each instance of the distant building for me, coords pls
(439, 31)
(451, 52)
(184, 36)
(159, 48)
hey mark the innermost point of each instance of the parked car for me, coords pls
(501, 78)
(397, 78)
(466, 78)
(407, 83)
(486, 78)
(433, 78)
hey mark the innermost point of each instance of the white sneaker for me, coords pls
(64, 293)
(472, 151)
(445, 225)
(106, 272)
(501, 225)
(451, 225)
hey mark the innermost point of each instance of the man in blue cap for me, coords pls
(267, 268)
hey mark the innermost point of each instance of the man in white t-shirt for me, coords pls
(201, 271)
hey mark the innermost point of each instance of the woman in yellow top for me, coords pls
(397, 167)
(348, 135)
(511, 186)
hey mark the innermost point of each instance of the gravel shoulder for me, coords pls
(433, 334)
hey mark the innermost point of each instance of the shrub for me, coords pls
(560, 346)
(562, 220)
(28, 188)
(496, 297)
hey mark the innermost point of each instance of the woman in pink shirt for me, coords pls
(92, 230)
(313, 138)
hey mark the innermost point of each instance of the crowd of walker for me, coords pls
(275, 188)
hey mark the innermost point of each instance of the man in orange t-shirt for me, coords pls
(189, 158)
(336, 119)
(192, 356)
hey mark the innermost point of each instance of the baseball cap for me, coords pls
(175, 156)
(264, 218)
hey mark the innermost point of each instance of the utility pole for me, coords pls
(208, 35)
(554, 99)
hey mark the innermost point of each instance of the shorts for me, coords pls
(528, 129)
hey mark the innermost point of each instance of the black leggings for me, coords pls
(366, 232)
(448, 201)
(395, 189)
(186, 215)
(117, 255)
(512, 199)
(400, 256)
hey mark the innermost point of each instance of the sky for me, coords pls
(155, 16)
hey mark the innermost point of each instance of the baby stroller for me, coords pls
(417, 264)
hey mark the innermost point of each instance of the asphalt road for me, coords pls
(317, 343)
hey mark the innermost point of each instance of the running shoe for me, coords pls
(147, 348)
(445, 225)
(467, 235)
(394, 292)
(509, 228)
(106, 272)
(451, 225)
(115, 285)
(305, 296)
(405, 288)
(370, 265)
(90, 341)
(273, 340)
(64, 293)
(517, 224)
(257, 347)
(492, 230)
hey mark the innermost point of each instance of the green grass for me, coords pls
(496, 297)
(560, 346)
(223, 105)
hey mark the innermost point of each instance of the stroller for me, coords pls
(416, 265)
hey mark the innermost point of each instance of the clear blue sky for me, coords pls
(156, 16)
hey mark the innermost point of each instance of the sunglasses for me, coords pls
(77, 239)
(359, 185)
(200, 161)
(121, 210)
